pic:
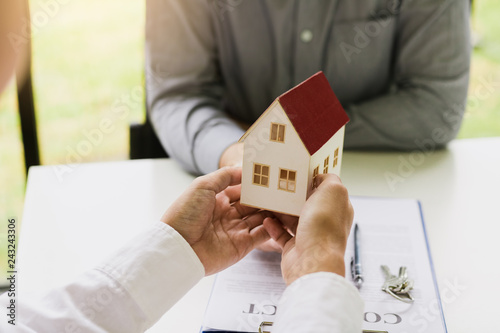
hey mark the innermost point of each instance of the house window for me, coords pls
(261, 174)
(287, 180)
(325, 165)
(277, 132)
(335, 157)
(315, 173)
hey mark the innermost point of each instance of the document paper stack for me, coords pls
(392, 233)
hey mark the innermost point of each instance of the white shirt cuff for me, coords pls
(320, 302)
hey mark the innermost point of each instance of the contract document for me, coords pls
(391, 232)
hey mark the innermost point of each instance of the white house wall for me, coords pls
(328, 149)
(290, 155)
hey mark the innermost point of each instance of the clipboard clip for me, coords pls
(269, 323)
(264, 324)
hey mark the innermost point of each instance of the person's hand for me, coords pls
(232, 156)
(320, 235)
(210, 218)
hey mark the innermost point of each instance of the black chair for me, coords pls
(143, 141)
(27, 107)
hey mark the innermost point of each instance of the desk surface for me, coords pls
(75, 219)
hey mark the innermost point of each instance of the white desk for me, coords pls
(71, 225)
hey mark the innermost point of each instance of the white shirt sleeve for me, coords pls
(137, 285)
(320, 302)
(128, 293)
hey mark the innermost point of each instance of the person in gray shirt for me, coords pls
(400, 68)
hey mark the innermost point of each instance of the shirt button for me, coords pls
(306, 36)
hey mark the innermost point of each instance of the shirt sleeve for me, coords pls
(426, 103)
(128, 293)
(320, 302)
(184, 87)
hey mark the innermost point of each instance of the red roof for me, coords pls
(314, 111)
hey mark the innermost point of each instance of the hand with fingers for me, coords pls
(210, 218)
(316, 241)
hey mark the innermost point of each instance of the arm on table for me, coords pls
(204, 231)
(426, 103)
(128, 293)
(184, 88)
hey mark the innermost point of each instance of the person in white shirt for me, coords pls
(202, 233)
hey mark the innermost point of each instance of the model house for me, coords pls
(298, 137)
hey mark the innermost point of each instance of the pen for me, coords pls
(356, 269)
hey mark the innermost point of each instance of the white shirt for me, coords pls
(137, 285)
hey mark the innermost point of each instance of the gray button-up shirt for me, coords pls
(399, 68)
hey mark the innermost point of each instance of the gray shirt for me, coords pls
(399, 68)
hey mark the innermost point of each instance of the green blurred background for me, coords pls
(89, 56)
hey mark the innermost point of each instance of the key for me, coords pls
(398, 286)
(407, 284)
(391, 281)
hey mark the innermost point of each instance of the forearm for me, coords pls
(194, 132)
(184, 87)
(128, 293)
(157, 268)
(427, 98)
(92, 303)
(428, 112)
